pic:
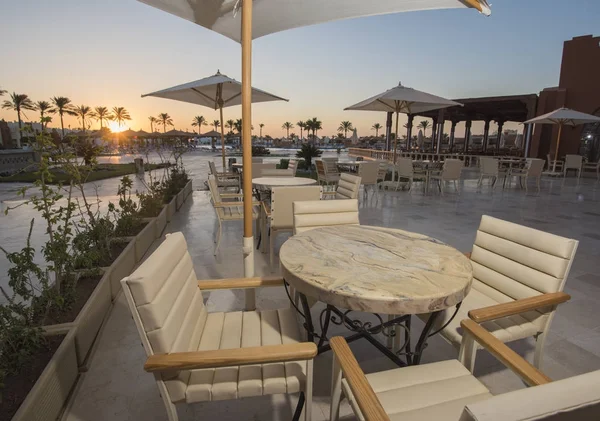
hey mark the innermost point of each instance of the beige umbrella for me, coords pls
(217, 91)
(563, 117)
(273, 16)
(401, 99)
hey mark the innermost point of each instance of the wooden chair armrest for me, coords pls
(328, 193)
(228, 174)
(498, 311)
(232, 204)
(231, 195)
(530, 375)
(266, 208)
(468, 255)
(365, 396)
(230, 357)
(241, 283)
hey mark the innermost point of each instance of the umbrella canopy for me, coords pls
(402, 99)
(217, 91)
(270, 16)
(142, 133)
(563, 117)
(128, 133)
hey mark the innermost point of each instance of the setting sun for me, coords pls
(115, 127)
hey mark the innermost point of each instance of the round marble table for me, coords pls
(375, 269)
(268, 182)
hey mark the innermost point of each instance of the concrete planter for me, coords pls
(144, 239)
(50, 392)
(187, 190)
(171, 209)
(179, 198)
(122, 267)
(161, 222)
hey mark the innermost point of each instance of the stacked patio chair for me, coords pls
(225, 179)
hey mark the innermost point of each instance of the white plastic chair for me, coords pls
(573, 162)
(451, 171)
(368, 172)
(490, 168)
(533, 169)
(405, 170)
(198, 356)
(225, 179)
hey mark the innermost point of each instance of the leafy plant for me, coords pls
(128, 221)
(308, 152)
(260, 151)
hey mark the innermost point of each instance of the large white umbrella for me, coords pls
(563, 117)
(402, 99)
(217, 92)
(270, 16)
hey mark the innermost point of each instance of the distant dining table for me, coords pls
(425, 169)
(374, 270)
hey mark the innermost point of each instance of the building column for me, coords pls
(452, 131)
(433, 134)
(500, 126)
(409, 127)
(486, 135)
(440, 131)
(467, 134)
(529, 130)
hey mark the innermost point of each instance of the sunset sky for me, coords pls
(110, 52)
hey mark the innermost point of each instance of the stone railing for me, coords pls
(470, 160)
(14, 160)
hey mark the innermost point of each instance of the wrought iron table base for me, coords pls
(367, 330)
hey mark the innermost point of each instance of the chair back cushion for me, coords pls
(330, 165)
(368, 171)
(404, 167)
(383, 169)
(293, 166)
(518, 261)
(281, 203)
(267, 172)
(576, 398)
(320, 168)
(348, 186)
(535, 167)
(167, 305)
(452, 169)
(324, 213)
(259, 167)
(488, 166)
(573, 161)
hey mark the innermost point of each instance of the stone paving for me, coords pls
(117, 388)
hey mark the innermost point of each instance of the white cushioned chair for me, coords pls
(451, 171)
(225, 179)
(347, 187)
(404, 169)
(533, 169)
(513, 267)
(228, 207)
(198, 356)
(573, 162)
(324, 213)
(293, 166)
(281, 212)
(368, 172)
(490, 168)
(448, 391)
(327, 173)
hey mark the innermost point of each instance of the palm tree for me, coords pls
(2, 92)
(287, 126)
(166, 120)
(62, 105)
(302, 126)
(153, 121)
(18, 103)
(199, 121)
(376, 127)
(424, 125)
(237, 125)
(101, 114)
(229, 124)
(216, 124)
(43, 107)
(83, 111)
(314, 124)
(261, 125)
(344, 127)
(308, 152)
(120, 114)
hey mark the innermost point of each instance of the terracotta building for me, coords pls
(578, 89)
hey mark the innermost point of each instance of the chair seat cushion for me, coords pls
(242, 330)
(506, 329)
(436, 391)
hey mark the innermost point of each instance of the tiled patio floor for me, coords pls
(116, 387)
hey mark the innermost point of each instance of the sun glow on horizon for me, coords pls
(115, 127)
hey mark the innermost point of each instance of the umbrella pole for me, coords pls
(222, 138)
(248, 247)
(557, 145)
(396, 138)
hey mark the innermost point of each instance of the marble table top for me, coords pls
(282, 182)
(375, 269)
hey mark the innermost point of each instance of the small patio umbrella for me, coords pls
(563, 117)
(217, 91)
(420, 139)
(402, 100)
(262, 17)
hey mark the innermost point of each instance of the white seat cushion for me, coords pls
(242, 330)
(424, 392)
(506, 329)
